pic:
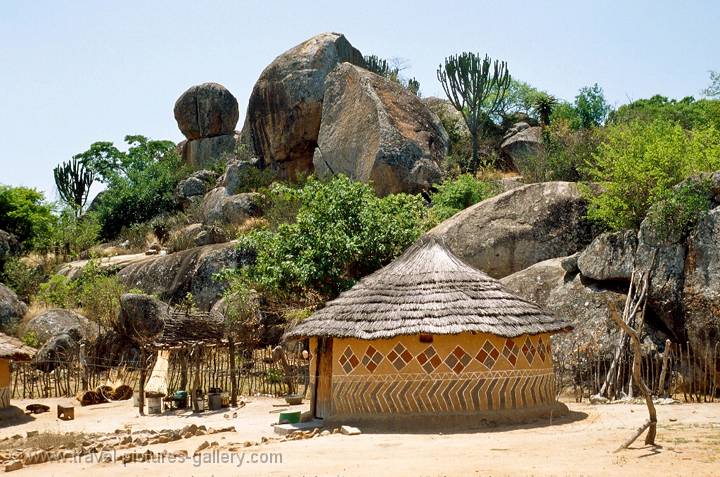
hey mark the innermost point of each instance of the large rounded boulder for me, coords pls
(206, 110)
(57, 321)
(11, 308)
(142, 317)
(374, 130)
(283, 115)
(523, 226)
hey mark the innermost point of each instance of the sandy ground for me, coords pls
(578, 445)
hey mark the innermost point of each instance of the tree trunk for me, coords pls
(475, 161)
(233, 374)
(141, 391)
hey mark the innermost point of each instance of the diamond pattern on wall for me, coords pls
(510, 351)
(458, 360)
(487, 355)
(372, 358)
(528, 349)
(429, 359)
(348, 360)
(399, 356)
(541, 350)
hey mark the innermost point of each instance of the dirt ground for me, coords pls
(580, 444)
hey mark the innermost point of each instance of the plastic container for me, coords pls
(289, 417)
(154, 405)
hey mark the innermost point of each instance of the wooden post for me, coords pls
(141, 397)
(666, 355)
(651, 424)
(233, 373)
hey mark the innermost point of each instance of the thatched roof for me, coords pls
(182, 327)
(13, 348)
(427, 290)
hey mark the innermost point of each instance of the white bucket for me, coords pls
(154, 405)
(200, 404)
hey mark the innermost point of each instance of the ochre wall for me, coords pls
(4, 383)
(455, 374)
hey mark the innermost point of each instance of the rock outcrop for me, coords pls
(509, 232)
(11, 308)
(57, 321)
(701, 287)
(373, 130)
(587, 305)
(196, 235)
(209, 151)
(219, 207)
(197, 185)
(8, 245)
(610, 256)
(283, 115)
(207, 115)
(173, 276)
(142, 317)
(59, 349)
(521, 141)
(206, 110)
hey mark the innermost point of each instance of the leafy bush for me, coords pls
(566, 154)
(687, 112)
(341, 232)
(680, 208)
(639, 163)
(24, 280)
(31, 339)
(95, 292)
(73, 235)
(454, 195)
(589, 110)
(25, 213)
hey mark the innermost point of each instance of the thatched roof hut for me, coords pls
(427, 290)
(13, 349)
(429, 334)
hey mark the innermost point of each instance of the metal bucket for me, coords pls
(214, 401)
(154, 405)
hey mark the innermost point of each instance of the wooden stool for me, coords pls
(66, 413)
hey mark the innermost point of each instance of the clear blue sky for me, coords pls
(75, 72)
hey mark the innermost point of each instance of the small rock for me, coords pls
(350, 431)
(13, 465)
(30, 434)
(325, 433)
(202, 447)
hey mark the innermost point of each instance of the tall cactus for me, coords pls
(73, 181)
(476, 87)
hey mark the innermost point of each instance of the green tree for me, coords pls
(342, 231)
(713, 90)
(454, 195)
(591, 106)
(25, 213)
(639, 163)
(140, 182)
(687, 112)
(469, 81)
(73, 181)
(543, 104)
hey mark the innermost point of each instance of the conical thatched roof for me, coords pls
(427, 290)
(13, 348)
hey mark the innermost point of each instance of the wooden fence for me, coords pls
(257, 374)
(690, 375)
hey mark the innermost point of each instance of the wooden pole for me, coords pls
(666, 355)
(651, 425)
(141, 397)
(233, 373)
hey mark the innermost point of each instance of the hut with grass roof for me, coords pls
(11, 349)
(429, 335)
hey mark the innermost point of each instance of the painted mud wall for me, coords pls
(453, 374)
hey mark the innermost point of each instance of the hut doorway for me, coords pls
(323, 378)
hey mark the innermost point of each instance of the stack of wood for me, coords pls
(105, 393)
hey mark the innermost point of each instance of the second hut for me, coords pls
(428, 338)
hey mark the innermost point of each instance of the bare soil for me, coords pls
(580, 444)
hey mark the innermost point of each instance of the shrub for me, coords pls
(680, 208)
(639, 163)
(25, 213)
(95, 292)
(454, 195)
(73, 235)
(341, 232)
(23, 279)
(687, 112)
